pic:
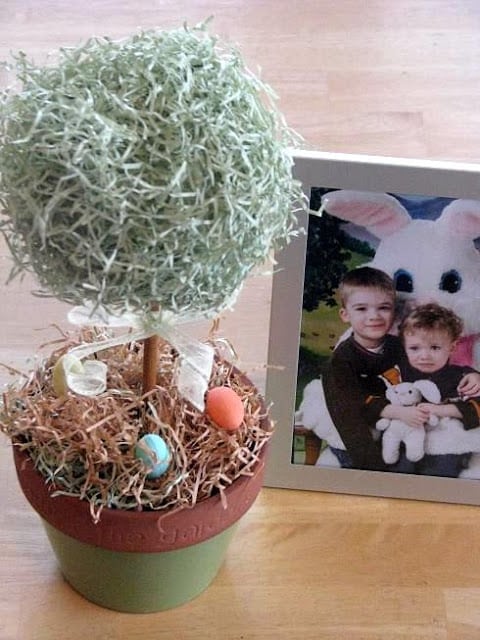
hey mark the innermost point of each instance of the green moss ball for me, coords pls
(155, 169)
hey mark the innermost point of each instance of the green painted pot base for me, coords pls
(139, 562)
(139, 582)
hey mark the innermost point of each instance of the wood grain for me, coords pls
(381, 77)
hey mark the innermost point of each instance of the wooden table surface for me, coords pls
(387, 77)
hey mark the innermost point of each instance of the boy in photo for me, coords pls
(367, 298)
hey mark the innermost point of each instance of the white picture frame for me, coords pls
(367, 174)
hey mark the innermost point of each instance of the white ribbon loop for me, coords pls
(195, 358)
(195, 366)
(91, 381)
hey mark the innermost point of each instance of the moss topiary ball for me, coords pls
(154, 169)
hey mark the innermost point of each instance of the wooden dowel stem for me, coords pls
(150, 362)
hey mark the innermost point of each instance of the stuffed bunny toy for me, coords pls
(429, 260)
(406, 394)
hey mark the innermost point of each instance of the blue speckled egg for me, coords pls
(154, 452)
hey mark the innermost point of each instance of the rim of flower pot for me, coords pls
(140, 531)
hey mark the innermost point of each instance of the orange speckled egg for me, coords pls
(225, 408)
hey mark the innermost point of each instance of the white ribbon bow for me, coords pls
(90, 378)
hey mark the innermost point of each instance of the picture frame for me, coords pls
(408, 178)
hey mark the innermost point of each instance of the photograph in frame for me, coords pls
(418, 223)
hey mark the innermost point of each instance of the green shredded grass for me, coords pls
(155, 169)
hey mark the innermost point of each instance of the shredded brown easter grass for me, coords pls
(85, 446)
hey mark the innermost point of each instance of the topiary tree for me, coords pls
(147, 176)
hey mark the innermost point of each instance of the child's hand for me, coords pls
(441, 410)
(414, 416)
(469, 384)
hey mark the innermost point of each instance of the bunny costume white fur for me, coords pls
(313, 415)
(436, 259)
(406, 394)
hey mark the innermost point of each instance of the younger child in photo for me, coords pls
(429, 334)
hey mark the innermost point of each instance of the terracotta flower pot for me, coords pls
(138, 561)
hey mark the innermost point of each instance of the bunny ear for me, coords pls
(462, 217)
(380, 213)
(429, 390)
